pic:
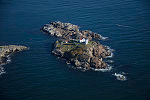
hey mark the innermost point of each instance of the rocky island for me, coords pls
(81, 48)
(5, 51)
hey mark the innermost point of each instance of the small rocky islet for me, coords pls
(6, 50)
(81, 48)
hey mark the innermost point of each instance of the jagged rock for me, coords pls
(68, 30)
(95, 62)
(58, 52)
(81, 55)
(9, 49)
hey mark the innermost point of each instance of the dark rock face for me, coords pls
(87, 56)
(68, 30)
(6, 50)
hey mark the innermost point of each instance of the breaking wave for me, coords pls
(109, 50)
(2, 71)
(120, 76)
(68, 63)
(109, 61)
(103, 38)
(8, 60)
(109, 68)
(111, 55)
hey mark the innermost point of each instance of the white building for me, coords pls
(83, 40)
(86, 41)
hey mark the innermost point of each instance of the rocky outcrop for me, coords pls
(87, 56)
(81, 55)
(68, 31)
(9, 49)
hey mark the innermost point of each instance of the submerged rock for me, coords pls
(120, 77)
(80, 47)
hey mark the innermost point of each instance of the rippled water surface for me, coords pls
(36, 74)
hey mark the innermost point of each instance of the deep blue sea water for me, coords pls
(36, 74)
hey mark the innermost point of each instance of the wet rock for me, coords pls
(79, 54)
(95, 62)
(9, 49)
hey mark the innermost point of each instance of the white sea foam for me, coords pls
(58, 57)
(2, 64)
(2, 71)
(8, 60)
(124, 73)
(104, 38)
(120, 77)
(82, 69)
(79, 68)
(68, 63)
(109, 68)
(109, 61)
(111, 55)
(109, 48)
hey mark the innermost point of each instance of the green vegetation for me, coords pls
(76, 51)
(67, 47)
(74, 48)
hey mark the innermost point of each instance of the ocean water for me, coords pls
(36, 74)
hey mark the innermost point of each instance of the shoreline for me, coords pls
(7, 50)
(79, 47)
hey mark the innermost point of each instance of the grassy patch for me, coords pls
(77, 51)
(74, 46)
